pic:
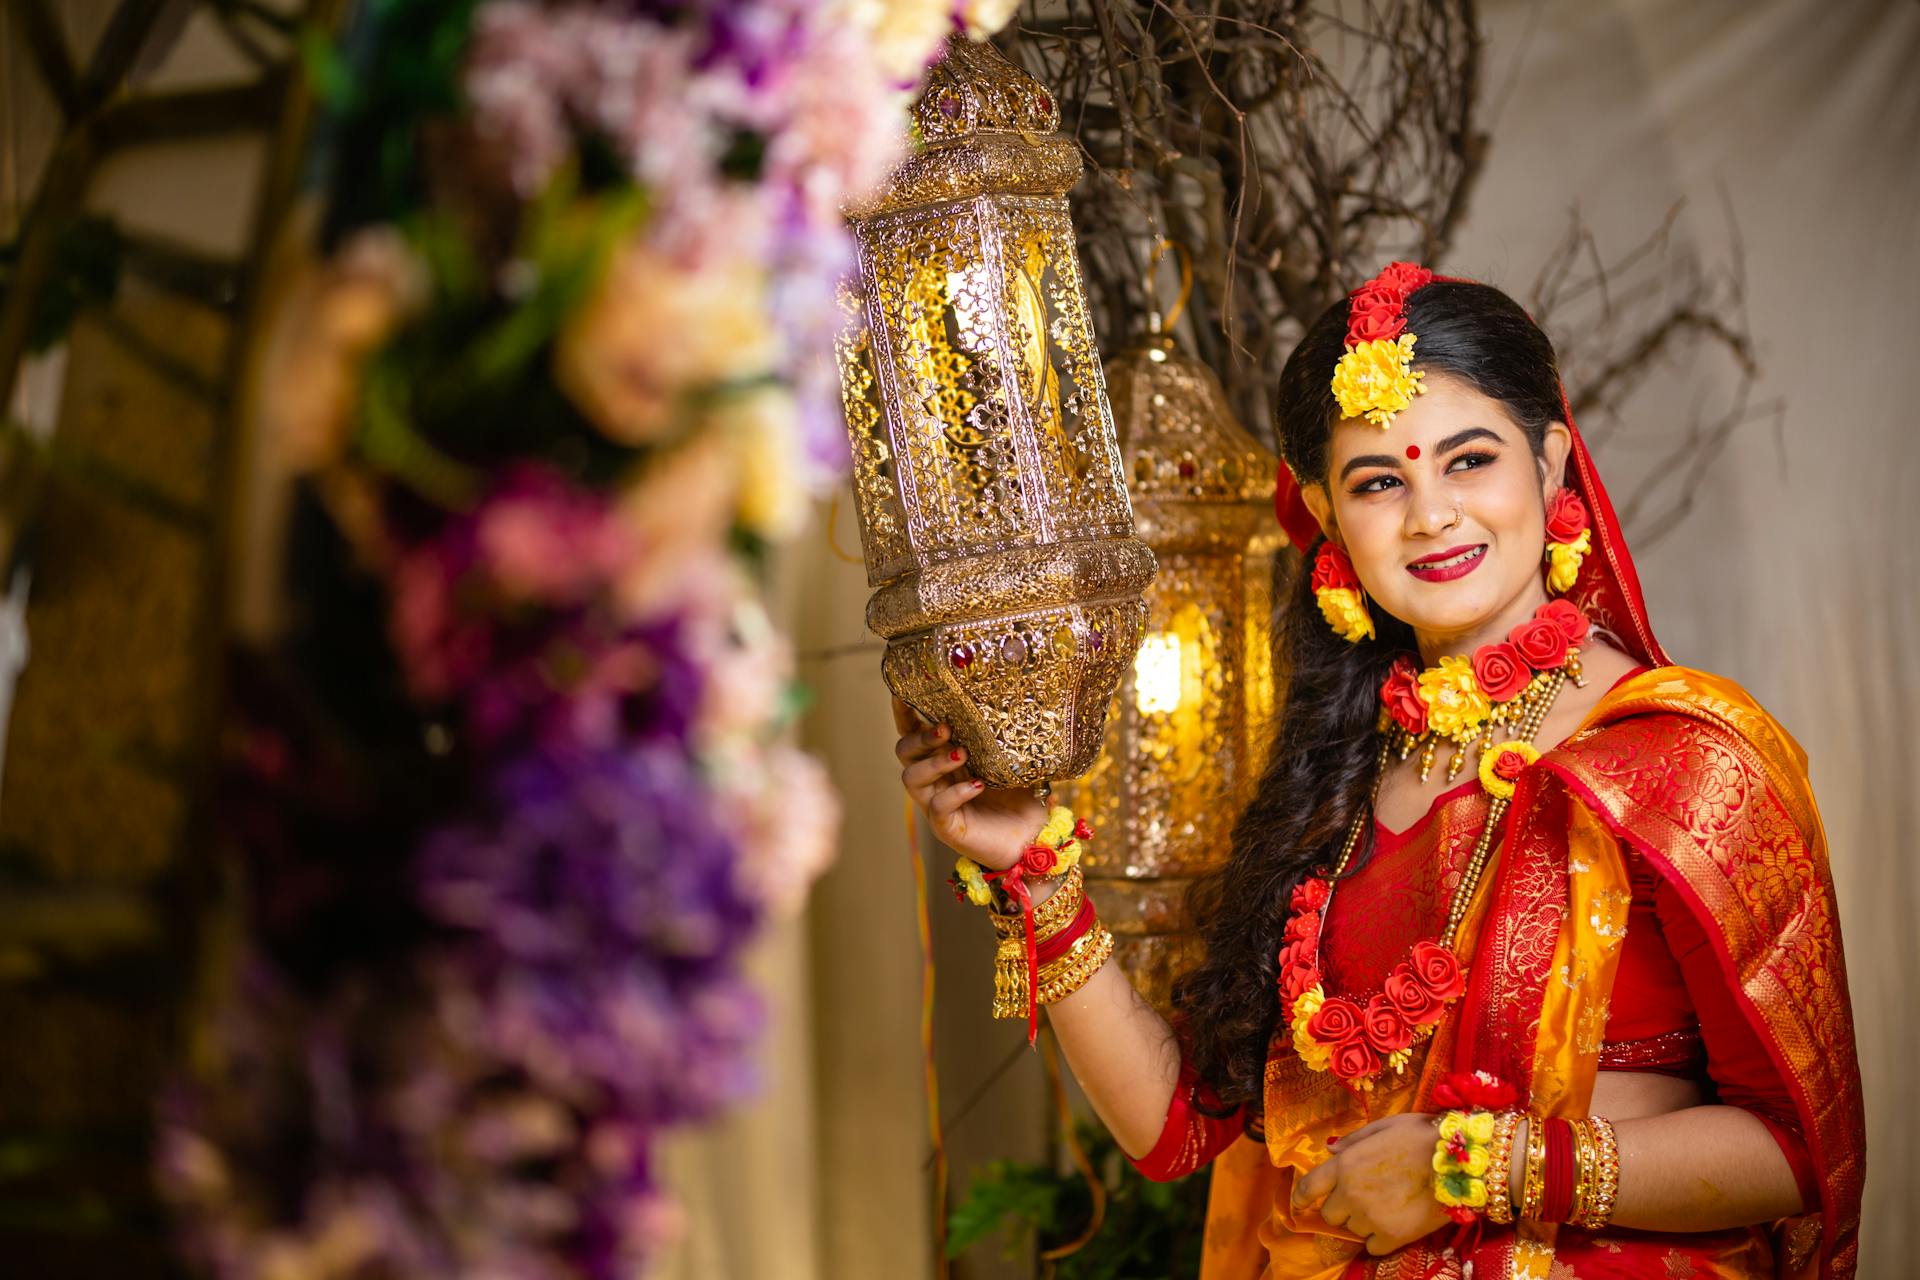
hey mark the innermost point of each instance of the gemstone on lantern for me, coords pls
(1013, 651)
(1063, 641)
(1094, 640)
(1187, 468)
(1046, 102)
(949, 104)
(961, 656)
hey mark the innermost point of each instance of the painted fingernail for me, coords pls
(954, 754)
(978, 785)
(940, 731)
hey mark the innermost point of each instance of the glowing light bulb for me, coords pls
(1156, 674)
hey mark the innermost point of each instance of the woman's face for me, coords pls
(1444, 512)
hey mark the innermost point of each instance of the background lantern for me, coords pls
(1189, 727)
(993, 509)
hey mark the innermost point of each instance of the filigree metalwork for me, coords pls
(1186, 734)
(988, 481)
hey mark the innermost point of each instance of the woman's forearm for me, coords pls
(1123, 1054)
(1700, 1169)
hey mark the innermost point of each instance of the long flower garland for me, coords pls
(1360, 1038)
(515, 799)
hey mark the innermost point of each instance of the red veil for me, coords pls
(1685, 769)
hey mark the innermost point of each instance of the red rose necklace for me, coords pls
(1462, 699)
(1358, 1038)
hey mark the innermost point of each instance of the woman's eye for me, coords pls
(1470, 460)
(1378, 484)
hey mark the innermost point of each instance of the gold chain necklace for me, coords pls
(1529, 724)
(1358, 1040)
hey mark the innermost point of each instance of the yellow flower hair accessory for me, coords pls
(1375, 378)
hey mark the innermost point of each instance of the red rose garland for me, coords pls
(1565, 615)
(1357, 1041)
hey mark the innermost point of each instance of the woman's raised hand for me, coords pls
(989, 825)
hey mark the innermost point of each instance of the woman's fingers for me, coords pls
(905, 718)
(923, 774)
(922, 743)
(947, 800)
(1309, 1191)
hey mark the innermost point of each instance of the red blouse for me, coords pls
(1671, 1011)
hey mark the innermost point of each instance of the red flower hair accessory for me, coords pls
(1375, 378)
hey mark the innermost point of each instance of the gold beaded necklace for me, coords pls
(1523, 727)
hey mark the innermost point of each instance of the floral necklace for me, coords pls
(1462, 699)
(1357, 1040)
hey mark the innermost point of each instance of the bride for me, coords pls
(1525, 960)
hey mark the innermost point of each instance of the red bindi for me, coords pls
(1413, 451)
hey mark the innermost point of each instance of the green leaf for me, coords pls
(1016, 1198)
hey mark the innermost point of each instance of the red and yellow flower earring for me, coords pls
(1337, 587)
(1569, 538)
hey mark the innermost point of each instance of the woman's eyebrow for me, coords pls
(1368, 460)
(1459, 438)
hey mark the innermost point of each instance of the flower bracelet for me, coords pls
(1046, 953)
(1571, 1167)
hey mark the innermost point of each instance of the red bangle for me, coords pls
(1059, 944)
(1557, 1202)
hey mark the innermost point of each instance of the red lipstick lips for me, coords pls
(1457, 562)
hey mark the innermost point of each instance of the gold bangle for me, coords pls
(1011, 981)
(1050, 917)
(1534, 1189)
(1605, 1189)
(1075, 969)
(1500, 1169)
(1581, 1135)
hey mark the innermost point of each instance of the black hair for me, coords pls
(1320, 770)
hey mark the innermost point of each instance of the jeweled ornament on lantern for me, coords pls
(993, 510)
(1189, 726)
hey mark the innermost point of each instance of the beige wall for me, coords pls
(1798, 573)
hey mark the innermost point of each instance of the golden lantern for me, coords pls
(1187, 734)
(993, 509)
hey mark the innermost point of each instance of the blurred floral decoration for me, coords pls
(509, 795)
